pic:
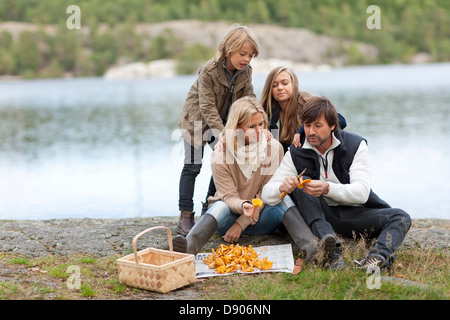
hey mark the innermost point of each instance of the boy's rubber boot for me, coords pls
(202, 231)
(300, 232)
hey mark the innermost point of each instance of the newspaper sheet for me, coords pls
(280, 255)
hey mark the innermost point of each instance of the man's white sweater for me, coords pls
(354, 193)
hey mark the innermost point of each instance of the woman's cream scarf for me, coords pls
(249, 157)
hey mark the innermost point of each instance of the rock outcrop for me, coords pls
(300, 49)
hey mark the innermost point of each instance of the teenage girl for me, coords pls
(283, 102)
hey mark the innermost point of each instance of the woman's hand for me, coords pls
(233, 234)
(250, 212)
(221, 144)
(296, 140)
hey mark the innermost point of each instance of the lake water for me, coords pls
(111, 149)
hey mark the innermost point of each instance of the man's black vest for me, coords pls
(342, 160)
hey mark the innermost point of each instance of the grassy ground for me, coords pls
(419, 274)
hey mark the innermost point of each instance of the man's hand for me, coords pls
(316, 188)
(289, 184)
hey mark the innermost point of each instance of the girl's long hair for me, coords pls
(292, 118)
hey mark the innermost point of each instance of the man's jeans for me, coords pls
(270, 218)
(388, 225)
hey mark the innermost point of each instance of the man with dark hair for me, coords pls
(339, 198)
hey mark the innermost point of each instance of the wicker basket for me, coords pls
(155, 269)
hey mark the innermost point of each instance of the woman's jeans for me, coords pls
(192, 166)
(270, 218)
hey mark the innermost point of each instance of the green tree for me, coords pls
(7, 63)
(354, 55)
(28, 56)
(208, 10)
(6, 40)
(104, 52)
(127, 42)
(52, 70)
(192, 57)
(66, 47)
(165, 46)
(7, 59)
(258, 12)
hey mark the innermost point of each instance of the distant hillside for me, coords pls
(296, 44)
(54, 51)
(409, 30)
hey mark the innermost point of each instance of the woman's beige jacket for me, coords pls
(232, 186)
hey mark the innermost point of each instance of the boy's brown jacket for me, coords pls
(207, 96)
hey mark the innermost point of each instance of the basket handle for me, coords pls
(145, 231)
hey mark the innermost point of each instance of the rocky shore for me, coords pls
(106, 238)
(109, 237)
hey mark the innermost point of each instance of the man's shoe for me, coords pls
(372, 260)
(328, 244)
(335, 261)
(332, 252)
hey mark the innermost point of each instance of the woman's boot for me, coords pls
(202, 231)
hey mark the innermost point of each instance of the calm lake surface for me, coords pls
(111, 149)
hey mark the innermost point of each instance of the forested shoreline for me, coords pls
(108, 30)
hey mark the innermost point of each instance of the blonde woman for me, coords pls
(283, 102)
(221, 81)
(240, 173)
